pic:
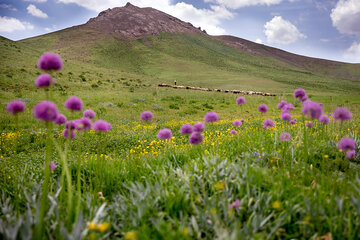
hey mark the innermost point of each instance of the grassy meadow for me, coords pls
(128, 184)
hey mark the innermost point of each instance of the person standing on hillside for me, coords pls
(175, 81)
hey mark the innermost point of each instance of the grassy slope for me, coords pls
(191, 59)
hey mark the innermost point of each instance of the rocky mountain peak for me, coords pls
(134, 22)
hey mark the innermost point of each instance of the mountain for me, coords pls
(155, 45)
(134, 22)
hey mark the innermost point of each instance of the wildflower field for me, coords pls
(170, 164)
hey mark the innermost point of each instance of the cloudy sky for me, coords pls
(318, 28)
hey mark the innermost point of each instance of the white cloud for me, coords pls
(38, 1)
(8, 6)
(353, 52)
(235, 4)
(259, 41)
(8, 24)
(281, 31)
(346, 16)
(208, 19)
(33, 10)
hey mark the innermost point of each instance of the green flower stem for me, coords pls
(45, 184)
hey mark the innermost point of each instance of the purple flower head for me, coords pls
(263, 108)
(304, 98)
(66, 134)
(196, 138)
(146, 116)
(268, 123)
(83, 124)
(288, 107)
(299, 93)
(235, 205)
(44, 81)
(46, 111)
(237, 123)
(60, 119)
(324, 119)
(101, 126)
(350, 154)
(71, 125)
(186, 129)
(240, 100)
(242, 120)
(233, 132)
(292, 122)
(286, 116)
(285, 137)
(281, 104)
(164, 134)
(309, 124)
(52, 166)
(15, 107)
(211, 117)
(74, 103)
(199, 127)
(342, 114)
(312, 109)
(50, 61)
(347, 144)
(89, 114)
(295, 119)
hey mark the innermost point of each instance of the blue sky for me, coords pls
(318, 28)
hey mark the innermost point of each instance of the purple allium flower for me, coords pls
(211, 117)
(309, 124)
(299, 93)
(292, 122)
(71, 125)
(164, 133)
(285, 137)
(268, 123)
(350, 154)
(240, 100)
(347, 144)
(304, 98)
(233, 132)
(83, 124)
(44, 80)
(237, 123)
(289, 107)
(88, 113)
(60, 119)
(15, 107)
(196, 138)
(146, 116)
(186, 129)
(242, 120)
(286, 116)
(101, 126)
(324, 119)
(312, 109)
(235, 205)
(342, 114)
(52, 166)
(295, 119)
(74, 103)
(66, 134)
(281, 104)
(199, 127)
(50, 61)
(263, 108)
(46, 111)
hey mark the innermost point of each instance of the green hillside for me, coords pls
(191, 59)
